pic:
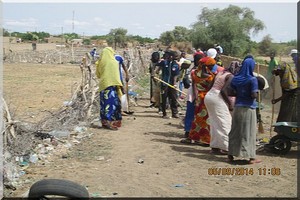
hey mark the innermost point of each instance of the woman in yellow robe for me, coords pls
(107, 70)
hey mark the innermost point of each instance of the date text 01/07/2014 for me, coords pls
(242, 171)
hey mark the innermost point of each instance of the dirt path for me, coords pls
(144, 158)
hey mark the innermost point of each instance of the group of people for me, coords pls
(220, 101)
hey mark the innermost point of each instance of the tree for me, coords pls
(5, 33)
(265, 46)
(118, 37)
(70, 36)
(140, 39)
(167, 38)
(86, 41)
(179, 34)
(41, 35)
(200, 38)
(29, 37)
(230, 27)
(99, 37)
(292, 43)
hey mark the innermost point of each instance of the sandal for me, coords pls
(201, 144)
(223, 152)
(254, 161)
(218, 151)
(214, 150)
(109, 127)
(128, 112)
(230, 158)
(186, 141)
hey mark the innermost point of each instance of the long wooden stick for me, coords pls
(273, 105)
(171, 86)
(260, 124)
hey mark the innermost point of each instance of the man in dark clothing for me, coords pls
(170, 70)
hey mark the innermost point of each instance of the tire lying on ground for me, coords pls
(280, 144)
(57, 187)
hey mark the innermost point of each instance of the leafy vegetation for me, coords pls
(179, 34)
(230, 27)
(29, 36)
(141, 40)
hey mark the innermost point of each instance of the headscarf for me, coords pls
(210, 61)
(248, 56)
(288, 80)
(245, 73)
(234, 67)
(107, 69)
(203, 60)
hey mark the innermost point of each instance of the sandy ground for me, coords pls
(144, 158)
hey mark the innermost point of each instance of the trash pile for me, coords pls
(17, 165)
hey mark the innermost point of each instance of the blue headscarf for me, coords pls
(248, 56)
(245, 73)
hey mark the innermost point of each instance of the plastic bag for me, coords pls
(124, 103)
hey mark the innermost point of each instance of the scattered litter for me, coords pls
(179, 185)
(33, 158)
(75, 141)
(100, 158)
(68, 145)
(96, 123)
(21, 173)
(96, 194)
(19, 159)
(141, 161)
(67, 103)
(80, 129)
(24, 163)
(264, 140)
(60, 134)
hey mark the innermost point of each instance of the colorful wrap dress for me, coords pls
(200, 126)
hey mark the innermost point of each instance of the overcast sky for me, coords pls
(139, 18)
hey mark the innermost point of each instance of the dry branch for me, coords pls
(9, 122)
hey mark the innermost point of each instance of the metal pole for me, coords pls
(73, 22)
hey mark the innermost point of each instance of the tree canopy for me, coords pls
(230, 27)
(117, 37)
(179, 34)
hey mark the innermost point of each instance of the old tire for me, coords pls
(280, 144)
(57, 187)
